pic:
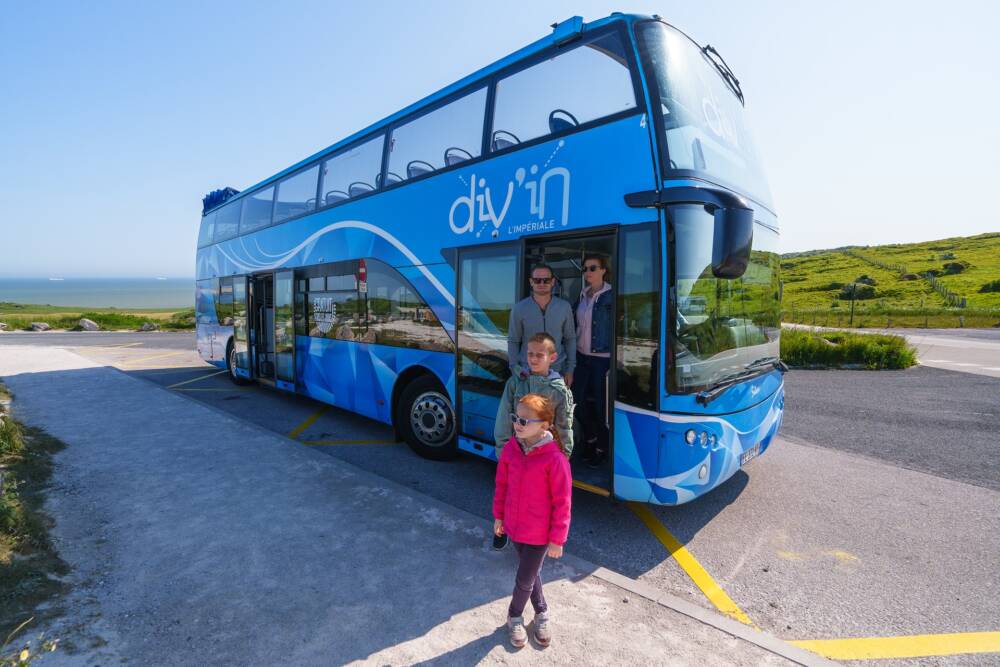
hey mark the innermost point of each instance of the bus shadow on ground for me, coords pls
(605, 532)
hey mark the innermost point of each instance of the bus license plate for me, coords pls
(749, 454)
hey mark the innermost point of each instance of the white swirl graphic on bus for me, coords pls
(479, 207)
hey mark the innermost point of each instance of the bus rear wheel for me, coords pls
(426, 420)
(231, 365)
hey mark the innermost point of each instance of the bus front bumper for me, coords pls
(654, 462)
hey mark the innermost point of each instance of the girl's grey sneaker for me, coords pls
(515, 630)
(543, 635)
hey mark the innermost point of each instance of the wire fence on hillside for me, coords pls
(953, 299)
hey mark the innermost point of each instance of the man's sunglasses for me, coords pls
(522, 421)
(541, 281)
(591, 268)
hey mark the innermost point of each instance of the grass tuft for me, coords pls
(29, 565)
(804, 349)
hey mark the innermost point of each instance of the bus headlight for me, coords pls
(690, 436)
(711, 440)
(703, 438)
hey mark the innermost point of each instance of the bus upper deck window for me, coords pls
(447, 136)
(351, 172)
(588, 82)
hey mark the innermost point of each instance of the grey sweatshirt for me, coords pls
(551, 387)
(557, 320)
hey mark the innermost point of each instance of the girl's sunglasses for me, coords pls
(522, 421)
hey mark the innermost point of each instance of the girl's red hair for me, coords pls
(543, 409)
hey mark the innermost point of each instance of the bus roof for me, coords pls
(561, 32)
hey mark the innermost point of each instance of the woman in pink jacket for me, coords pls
(532, 506)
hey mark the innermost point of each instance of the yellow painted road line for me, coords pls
(197, 379)
(911, 646)
(331, 443)
(154, 356)
(112, 347)
(593, 489)
(702, 579)
(297, 431)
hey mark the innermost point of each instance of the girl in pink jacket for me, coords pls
(532, 506)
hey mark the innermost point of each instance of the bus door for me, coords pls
(240, 360)
(565, 255)
(261, 309)
(488, 280)
(284, 330)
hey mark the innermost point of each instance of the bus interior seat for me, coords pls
(503, 139)
(456, 155)
(359, 188)
(418, 168)
(390, 178)
(334, 196)
(561, 120)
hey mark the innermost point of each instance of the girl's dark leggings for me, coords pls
(528, 582)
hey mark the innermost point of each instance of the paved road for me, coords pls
(941, 422)
(165, 340)
(877, 513)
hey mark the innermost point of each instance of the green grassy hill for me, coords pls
(912, 284)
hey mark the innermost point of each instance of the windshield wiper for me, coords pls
(724, 69)
(722, 386)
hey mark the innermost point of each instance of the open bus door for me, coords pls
(565, 254)
(488, 280)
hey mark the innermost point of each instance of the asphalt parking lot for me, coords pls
(871, 527)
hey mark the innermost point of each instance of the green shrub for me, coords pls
(184, 319)
(992, 286)
(11, 438)
(857, 291)
(835, 349)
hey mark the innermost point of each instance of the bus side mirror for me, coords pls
(732, 241)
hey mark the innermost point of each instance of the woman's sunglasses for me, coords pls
(591, 268)
(522, 421)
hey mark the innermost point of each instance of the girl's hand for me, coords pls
(555, 550)
(497, 527)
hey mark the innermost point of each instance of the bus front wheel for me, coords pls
(426, 419)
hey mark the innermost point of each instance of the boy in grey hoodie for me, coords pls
(541, 354)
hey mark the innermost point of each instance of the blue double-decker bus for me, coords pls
(378, 274)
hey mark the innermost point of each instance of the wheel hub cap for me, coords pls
(431, 419)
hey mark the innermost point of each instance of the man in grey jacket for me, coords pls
(542, 312)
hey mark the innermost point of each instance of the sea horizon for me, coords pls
(88, 292)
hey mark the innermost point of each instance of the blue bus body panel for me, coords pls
(653, 463)
(552, 186)
(360, 376)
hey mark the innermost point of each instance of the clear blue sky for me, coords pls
(876, 120)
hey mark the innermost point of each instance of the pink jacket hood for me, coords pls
(534, 493)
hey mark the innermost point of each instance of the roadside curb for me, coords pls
(579, 566)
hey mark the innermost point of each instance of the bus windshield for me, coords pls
(704, 121)
(721, 326)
